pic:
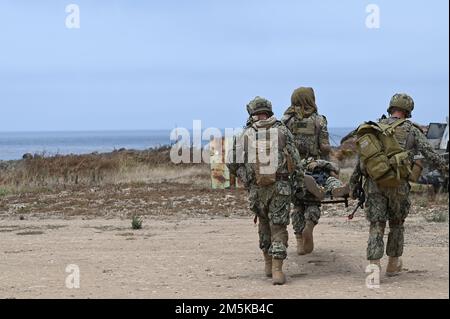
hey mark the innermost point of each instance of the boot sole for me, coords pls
(343, 191)
(392, 274)
(279, 283)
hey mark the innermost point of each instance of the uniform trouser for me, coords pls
(302, 213)
(386, 205)
(271, 204)
(332, 183)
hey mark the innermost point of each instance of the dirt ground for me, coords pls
(204, 245)
(206, 257)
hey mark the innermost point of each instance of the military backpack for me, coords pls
(384, 160)
(265, 151)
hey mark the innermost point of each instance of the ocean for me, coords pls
(13, 145)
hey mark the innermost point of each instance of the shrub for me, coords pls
(136, 222)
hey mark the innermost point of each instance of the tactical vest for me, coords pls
(306, 131)
(385, 160)
(262, 146)
(305, 126)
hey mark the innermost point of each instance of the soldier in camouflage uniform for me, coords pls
(312, 140)
(269, 195)
(393, 204)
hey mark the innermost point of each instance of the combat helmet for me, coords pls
(259, 105)
(402, 102)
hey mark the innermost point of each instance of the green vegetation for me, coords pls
(136, 222)
(440, 216)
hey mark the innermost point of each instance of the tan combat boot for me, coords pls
(394, 266)
(376, 262)
(343, 191)
(300, 246)
(308, 240)
(278, 277)
(268, 264)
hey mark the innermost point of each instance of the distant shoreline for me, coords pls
(123, 131)
(13, 145)
(84, 131)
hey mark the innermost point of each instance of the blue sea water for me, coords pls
(13, 145)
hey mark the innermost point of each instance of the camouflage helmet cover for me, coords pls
(259, 105)
(403, 102)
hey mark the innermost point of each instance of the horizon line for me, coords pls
(123, 130)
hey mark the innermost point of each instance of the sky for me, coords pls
(160, 64)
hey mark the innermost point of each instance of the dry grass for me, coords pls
(41, 172)
(44, 173)
(432, 208)
(428, 200)
(198, 175)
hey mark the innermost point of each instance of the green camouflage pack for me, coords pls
(384, 160)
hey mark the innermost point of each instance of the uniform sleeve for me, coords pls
(355, 177)
(433, 158)
(295, 155)
(232, 162)
(324, 137)
(236, 162)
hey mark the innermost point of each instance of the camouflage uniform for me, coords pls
(270, 203)
(332, 183)
(312, 140)
(393, 204)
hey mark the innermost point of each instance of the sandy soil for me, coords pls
(205, 257)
